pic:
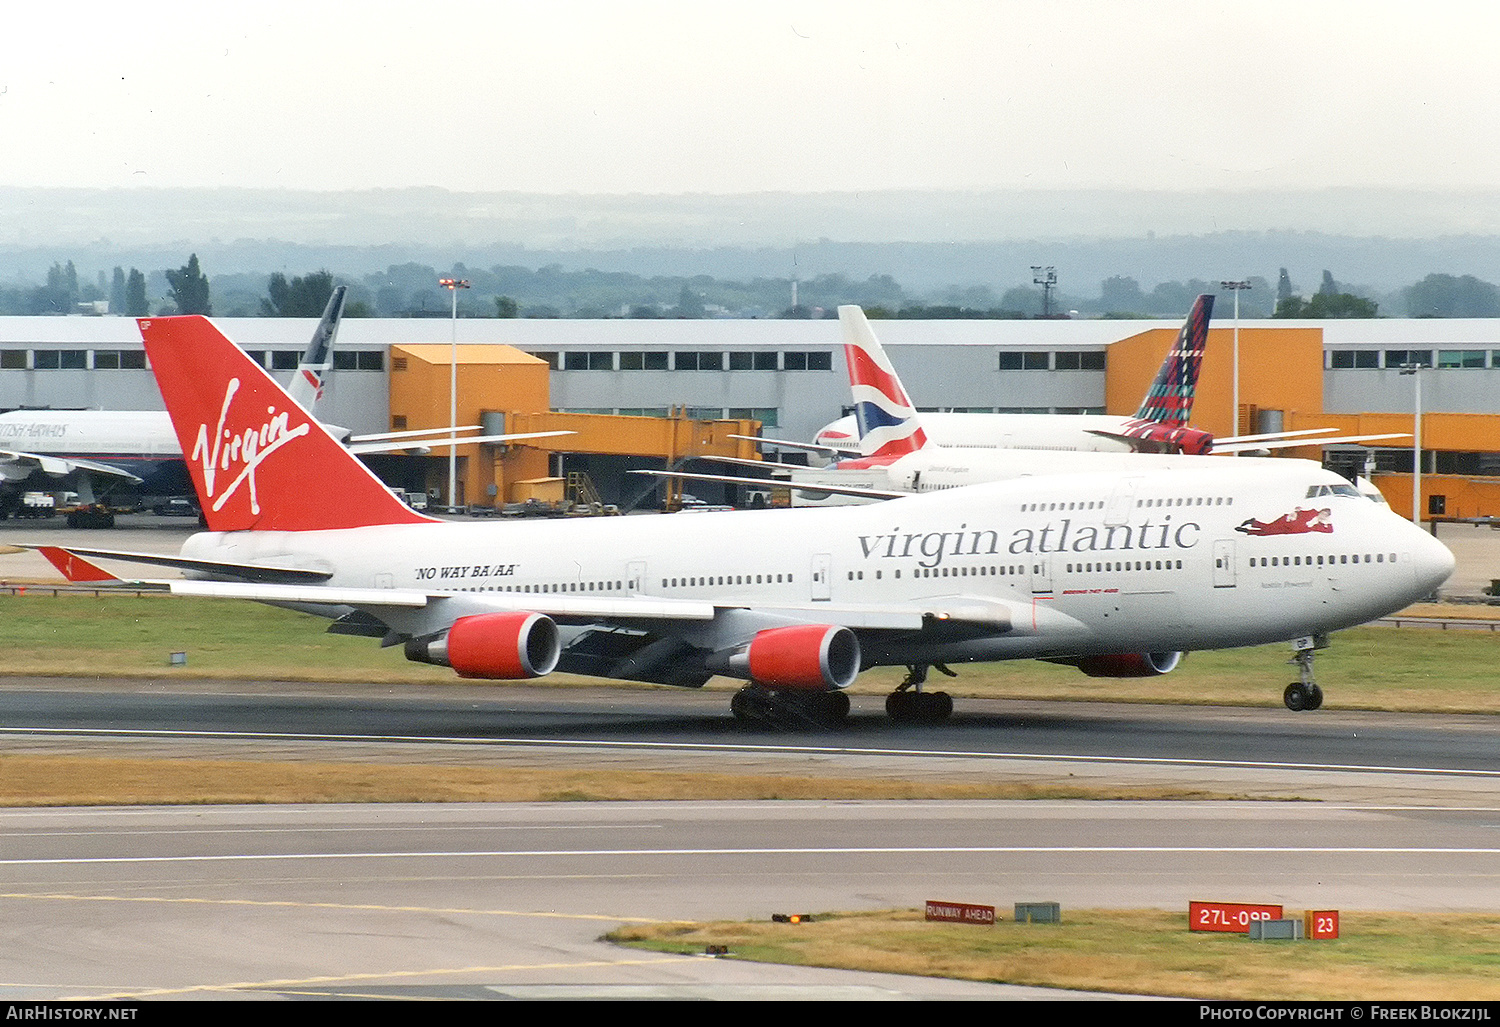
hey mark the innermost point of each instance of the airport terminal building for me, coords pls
(616, 382)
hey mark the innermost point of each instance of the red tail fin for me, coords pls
(257, 459)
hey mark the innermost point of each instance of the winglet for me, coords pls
(258, 460)
(1170, 398)
(75, 568)
(888, 423)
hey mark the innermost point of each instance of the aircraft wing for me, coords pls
(782, 483)
(1250, 447)
(811, 447)
(17, 466)
(429, 441)
(586, 609)
(622, 610)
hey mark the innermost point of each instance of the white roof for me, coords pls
(529, 333)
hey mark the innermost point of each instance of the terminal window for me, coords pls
(742, 360)
(588, 360)
(767, 416)
(1078, 361)
(1024, 361)
(649, 360)
(815, 360)
(752, 361)
(1460, 358)
(1399, 357)
(60, 359)
(119, 359)
(1354, 359)
(12, 359)
(693, 360)
(359, 360)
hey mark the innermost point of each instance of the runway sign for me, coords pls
(1228, 917)
(1320, 924)
(960, 913)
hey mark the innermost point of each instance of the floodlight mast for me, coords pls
(1236, 288)
(453, 285)
(1046, 277)
(1412, 367)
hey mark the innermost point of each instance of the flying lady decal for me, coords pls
(1298, 522)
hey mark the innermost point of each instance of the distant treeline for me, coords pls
(413, 290)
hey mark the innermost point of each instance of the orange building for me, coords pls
(1282, 389)
(507, 391)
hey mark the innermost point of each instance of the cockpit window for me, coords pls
(1313, 491)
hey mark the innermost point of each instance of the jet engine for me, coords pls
(1170, 438)
(804, 657)
(1127, 665)
(498, 646)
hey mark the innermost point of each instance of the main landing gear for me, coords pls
(1304, 694)
(756, 704)
(916, 706)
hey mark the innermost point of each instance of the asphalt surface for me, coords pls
(458, 901)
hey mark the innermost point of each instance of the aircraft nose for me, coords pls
(1432, 562)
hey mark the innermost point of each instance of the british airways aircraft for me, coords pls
(1159, 426)
(99, 452)
(1115, 572)
(884, 413)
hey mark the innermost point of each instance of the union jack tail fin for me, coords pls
(258, 460)
(317, 360)
(888, 423)
(1170, 398)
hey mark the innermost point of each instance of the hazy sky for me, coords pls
(721, 96)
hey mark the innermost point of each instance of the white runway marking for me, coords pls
(967, 850)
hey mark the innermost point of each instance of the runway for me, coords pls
(495, 899)
(508, 900)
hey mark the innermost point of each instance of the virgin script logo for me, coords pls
(240, 452)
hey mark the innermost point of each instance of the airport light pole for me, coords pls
(1046, 277)
(1412, 368)
(1236, 288)
(453, 285)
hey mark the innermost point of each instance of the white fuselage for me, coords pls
(935, 468)
(96, 434)
(1065, 433)
(1066, 565)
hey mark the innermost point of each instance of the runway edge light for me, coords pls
(791, 918)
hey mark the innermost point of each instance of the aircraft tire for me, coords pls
(919, 707)
(1296, 697)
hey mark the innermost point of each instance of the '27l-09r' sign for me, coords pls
(1229, 917)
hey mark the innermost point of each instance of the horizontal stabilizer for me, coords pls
(241, 571)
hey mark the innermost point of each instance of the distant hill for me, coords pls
(929, 242)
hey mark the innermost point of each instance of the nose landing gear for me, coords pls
(1304, 693)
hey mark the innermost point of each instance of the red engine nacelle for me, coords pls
(1127, 665)
(810, 657)
(498, 646)
(1177, 438)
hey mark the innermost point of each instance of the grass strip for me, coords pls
(1405, 670)
(36, 780)
(1379, 956)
